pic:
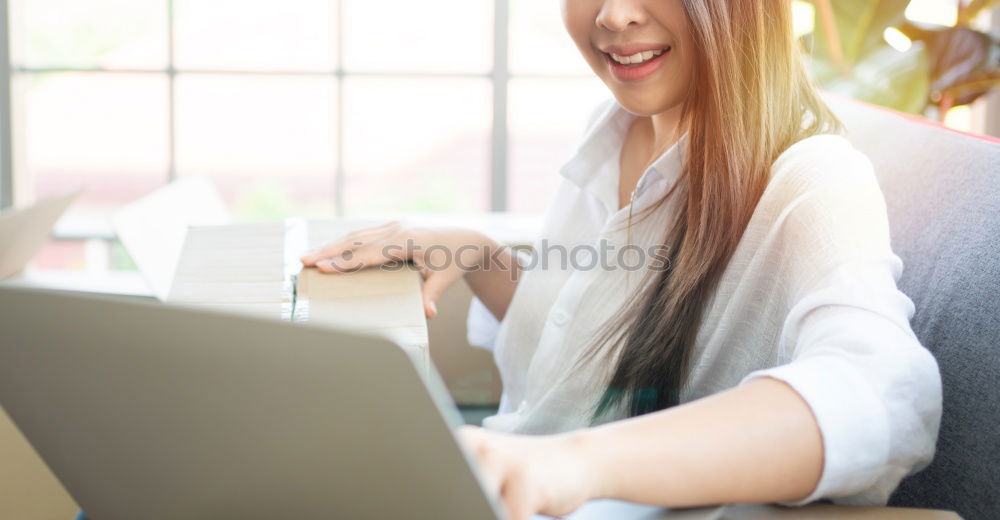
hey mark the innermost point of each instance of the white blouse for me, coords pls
(809, 298)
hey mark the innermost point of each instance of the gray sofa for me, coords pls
(942, 189)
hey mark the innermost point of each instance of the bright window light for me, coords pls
(959, 118)
(937, 12)
(896, 39)
(803, 17)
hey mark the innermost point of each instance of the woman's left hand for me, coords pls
(546, 475)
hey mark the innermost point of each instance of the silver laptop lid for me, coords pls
(162, 412)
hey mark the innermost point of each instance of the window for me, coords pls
(299, 107)
(295, 107)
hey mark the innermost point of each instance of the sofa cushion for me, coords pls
(942, 189)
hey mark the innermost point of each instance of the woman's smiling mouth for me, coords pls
(636, 58)
(634, 63)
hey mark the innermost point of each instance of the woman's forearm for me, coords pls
(755, 443)
(495, 281)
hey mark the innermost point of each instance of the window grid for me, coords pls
(498, 166)
(171, 97)
(499, 77)
(6, 164)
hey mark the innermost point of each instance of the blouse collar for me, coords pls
(595, 166)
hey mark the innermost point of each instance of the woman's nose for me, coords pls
(618, 15)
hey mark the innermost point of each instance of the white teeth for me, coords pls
(638, 57)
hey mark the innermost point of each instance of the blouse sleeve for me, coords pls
(874, 390)
(481, 325)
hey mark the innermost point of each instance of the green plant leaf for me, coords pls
(886, 77)
(860, 24)
(955, 61)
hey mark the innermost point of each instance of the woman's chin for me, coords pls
(644, 104)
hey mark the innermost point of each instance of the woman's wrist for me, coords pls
(494, 273)
(487, 253)
(586, 446)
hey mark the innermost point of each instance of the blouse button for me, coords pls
(560, 317)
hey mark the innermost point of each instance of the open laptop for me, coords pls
(163, 412)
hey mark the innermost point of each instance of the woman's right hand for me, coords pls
(442, 255)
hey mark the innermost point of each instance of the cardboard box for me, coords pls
(255, 269)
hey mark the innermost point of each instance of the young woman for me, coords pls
(764, 355)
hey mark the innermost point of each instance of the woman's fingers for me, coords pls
(517, 495)
(475, 440)
(503, 476)
(530, 474)
(372, 254)
(435, 283)
(350, 242)
(335, 249)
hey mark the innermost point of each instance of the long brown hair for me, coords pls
(749, 99)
